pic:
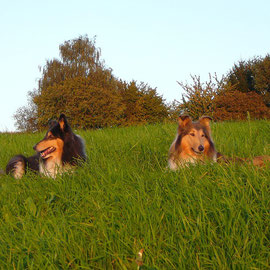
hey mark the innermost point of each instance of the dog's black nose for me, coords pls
(201, 148)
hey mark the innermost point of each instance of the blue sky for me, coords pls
(157, 42)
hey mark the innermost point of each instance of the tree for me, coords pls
(241, 76)
(261, 71)
(25, 116)
(234, 105)
(81, 86)
(78, 58)
(245, 88)
(86, 105)
(174, 110)
(198, 98)
(142, 104)
(252, 76)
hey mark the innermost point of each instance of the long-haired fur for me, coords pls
(60, 150)
(193, 142)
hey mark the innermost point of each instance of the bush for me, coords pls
(81, 86)
(199, 97)
(234, 105)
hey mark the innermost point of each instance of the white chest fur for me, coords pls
(50, 168)
(54, 167)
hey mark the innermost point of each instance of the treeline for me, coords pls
(245, 89)
(80, 85)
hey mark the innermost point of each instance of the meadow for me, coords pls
(124, 199)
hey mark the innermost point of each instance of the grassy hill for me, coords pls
(124, 199)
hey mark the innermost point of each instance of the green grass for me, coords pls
(124, 198)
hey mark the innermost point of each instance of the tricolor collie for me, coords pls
(193, 142)
(59, 151)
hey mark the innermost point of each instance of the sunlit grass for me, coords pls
(124, 199)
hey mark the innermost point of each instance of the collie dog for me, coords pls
(59, 151)
(193, 142)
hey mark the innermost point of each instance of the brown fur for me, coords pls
(51, 141)
(53, 159)
(59, 151)
(193, 142)
(259, 161)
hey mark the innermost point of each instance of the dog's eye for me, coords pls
(192, 134)
(203, 135)
(50, 137)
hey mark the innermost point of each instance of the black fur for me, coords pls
(73, 148)
(31, 163)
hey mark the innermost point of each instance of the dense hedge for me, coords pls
(234, 105)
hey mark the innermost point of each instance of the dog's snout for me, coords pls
(201, 148)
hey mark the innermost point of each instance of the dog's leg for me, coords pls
(17, 166)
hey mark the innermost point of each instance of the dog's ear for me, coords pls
(184, 120)
(205, 121)
(63, 122)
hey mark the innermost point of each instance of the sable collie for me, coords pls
(59, 151)
(193, 142)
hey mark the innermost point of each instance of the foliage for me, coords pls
(262, 78)
(26, 116)
(198, 98)
(245, 88)
(142, 104)
(124, 200)
(241, 76)
(86, 105)
(81, 86)
(235, 105)
(174, 109)
(78, 58)
(252, 76)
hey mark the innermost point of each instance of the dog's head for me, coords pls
(51, 146)
(194, 137)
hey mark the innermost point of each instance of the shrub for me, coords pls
(234, 105)
(199, 97)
